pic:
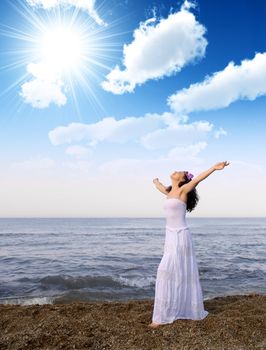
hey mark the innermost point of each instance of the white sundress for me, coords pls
(178, 293)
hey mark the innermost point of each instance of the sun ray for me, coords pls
(63, 42)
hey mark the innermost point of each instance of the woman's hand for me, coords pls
(155, 181)
(220, 165)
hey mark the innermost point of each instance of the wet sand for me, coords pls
(234, 322)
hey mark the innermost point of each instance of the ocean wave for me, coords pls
(78, 282)
(140, 282)
(27, 300)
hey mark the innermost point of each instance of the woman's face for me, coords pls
(178, 175)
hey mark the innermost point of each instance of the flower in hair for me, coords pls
(189, 176)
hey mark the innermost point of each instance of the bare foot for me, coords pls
(154, 325)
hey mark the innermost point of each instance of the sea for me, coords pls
(61, 260)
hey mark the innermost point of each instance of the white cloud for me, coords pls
(245, 81)
(188, 4)
(108, 129)
(220, 132)
(85, 5)
(153, 131)
(158, 50)
(44, 88)
(34, 163)
(78, 151)
(180, 135)
(186, 152)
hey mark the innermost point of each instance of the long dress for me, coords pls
(178, 292)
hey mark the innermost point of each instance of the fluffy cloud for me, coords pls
(220, 132)
(158, 49)
(245, 81)
(85, 5)
(108, 129)
(189, 151)
(44, 88)
(181, 134)
(153, 131)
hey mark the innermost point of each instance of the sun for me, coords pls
(62, 47)
(59, 54)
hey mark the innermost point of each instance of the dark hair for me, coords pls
(192, 196)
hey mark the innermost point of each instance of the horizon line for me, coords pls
(128, 217)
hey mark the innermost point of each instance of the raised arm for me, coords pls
(194, 182)
(160, 186)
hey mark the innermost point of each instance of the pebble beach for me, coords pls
(234, 322)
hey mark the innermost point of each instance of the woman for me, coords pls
(178, 293)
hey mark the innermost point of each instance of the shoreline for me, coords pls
(234, 322)
(61, 299)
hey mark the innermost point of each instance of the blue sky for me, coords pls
(167, 85)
